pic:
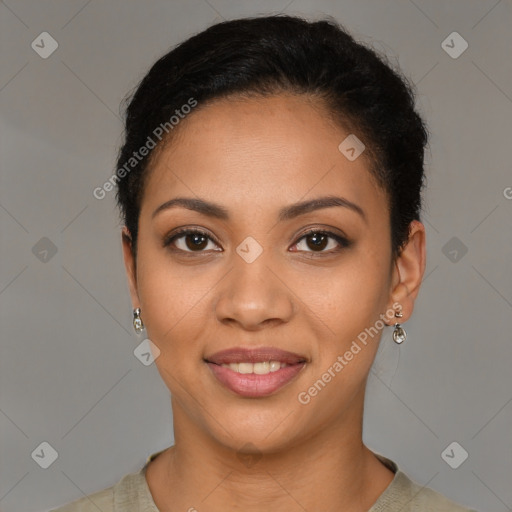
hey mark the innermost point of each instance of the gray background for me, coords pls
(68, 374)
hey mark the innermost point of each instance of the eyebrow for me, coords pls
(286, 213)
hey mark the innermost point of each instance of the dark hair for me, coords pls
(284, 54)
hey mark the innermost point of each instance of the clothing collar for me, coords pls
(133, 489)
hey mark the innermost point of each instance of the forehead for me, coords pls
(259, 152)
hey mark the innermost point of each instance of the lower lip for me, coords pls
(253, 385)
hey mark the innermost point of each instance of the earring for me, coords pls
(399, 333)
(137, 321)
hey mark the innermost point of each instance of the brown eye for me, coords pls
(317, 241)
(196, 241)
(190, 240)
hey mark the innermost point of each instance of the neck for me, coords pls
(331, 466)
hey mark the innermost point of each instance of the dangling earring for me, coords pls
(137, 321)
(399, 333)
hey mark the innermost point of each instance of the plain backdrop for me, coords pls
(68, 374)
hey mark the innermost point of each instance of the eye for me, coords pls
(318, 240)
(195, 240)
(190, 240)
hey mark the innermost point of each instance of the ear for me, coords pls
(129, 263)
(408, 271)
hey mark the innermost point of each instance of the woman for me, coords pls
(270, 185)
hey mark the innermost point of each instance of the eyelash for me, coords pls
(343, 242)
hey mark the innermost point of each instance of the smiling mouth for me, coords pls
(255, 373)
(262, 368)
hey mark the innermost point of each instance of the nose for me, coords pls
(253, 296)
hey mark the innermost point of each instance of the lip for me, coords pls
(254, 355)
(249, 384)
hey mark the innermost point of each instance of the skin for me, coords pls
(253, 157)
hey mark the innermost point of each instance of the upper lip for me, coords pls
(254, 355)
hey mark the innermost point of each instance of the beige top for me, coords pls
(132, 494)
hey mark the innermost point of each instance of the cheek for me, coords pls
(349, 297)
(172, 300)
(172, 315)
(351, 307)
(344, 352)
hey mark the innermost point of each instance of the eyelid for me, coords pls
(342, 240)
(180, 232)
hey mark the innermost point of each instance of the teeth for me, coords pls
(275, 365)
(245, 367)
(262, 368)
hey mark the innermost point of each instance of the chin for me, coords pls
(267, 430)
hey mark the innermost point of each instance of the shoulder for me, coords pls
(406, 495)
(426, 499)
(101, 500)
(129, 494)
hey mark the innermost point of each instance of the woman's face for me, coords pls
(257, 280)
